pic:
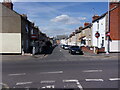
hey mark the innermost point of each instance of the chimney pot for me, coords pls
(8, 4)
(95, 17)
(86, 24)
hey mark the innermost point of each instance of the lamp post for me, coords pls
(108, 28)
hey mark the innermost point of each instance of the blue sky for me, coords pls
(58, 18)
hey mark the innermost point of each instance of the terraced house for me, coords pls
(18, 34)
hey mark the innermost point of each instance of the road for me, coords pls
(62, 70)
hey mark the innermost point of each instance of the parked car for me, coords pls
(62, 45)
(66, 47)
(75, 50)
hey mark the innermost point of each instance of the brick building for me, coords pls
(115, 26)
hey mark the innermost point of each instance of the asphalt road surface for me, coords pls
(61, 70)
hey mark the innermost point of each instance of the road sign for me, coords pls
(97, 35)
(33, 36)
(107, 33)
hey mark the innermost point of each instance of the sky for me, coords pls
(60, 18)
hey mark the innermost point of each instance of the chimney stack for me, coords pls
(8, 4)
(95, 17)
(86, 24)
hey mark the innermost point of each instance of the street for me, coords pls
(61, 70)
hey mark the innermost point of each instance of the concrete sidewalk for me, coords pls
(20, 57)
(102, 55)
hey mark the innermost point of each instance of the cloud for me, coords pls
(61, 18)
(66, 19)
(53, 31)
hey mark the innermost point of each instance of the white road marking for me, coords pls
(47, 81)
(49, 86)
(55, 72)
(76, 81)
(114, 79)
(43, 87)
(92, 71)
(72, 80)
(60, 50)
(17, 74)
(94, 80)
(23, 83)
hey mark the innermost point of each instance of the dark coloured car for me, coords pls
(75, 50)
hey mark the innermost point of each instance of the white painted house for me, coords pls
(100, 26)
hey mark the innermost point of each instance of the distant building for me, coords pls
(86, 35)
(61, 37)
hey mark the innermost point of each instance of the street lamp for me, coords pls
(108, 28)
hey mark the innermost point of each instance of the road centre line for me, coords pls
(114, 79)
(94, 80)
(55, 72)
(23, 83)
(48, 81)
(17, 74)
(92, 70)
(76, 81)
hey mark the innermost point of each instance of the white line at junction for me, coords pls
(55, 72)
(92, 71)
(48, 81)
(114, 79)
(76, 81)
(23, 83)
(17, 74)
(101, 80)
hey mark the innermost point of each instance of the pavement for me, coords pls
(102, 56)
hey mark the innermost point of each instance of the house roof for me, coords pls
(88, 26)
(103, 15)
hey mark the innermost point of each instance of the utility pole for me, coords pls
(108, 28)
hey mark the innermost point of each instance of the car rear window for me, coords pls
(75, 47)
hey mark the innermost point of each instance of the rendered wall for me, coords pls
(10, 31)
(11, 43)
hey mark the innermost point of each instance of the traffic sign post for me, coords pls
(97, 35)
(107, 34)
(34, 36)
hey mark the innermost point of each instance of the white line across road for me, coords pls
(17, 74)
(76, 81)
(49, 86)
(72, 80)
(51, 81)
(98, 80)
(92, 71)
(23, 83)
(114, 79)
(55, 72)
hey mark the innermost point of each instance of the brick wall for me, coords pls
(87, 49)
(115, 21)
